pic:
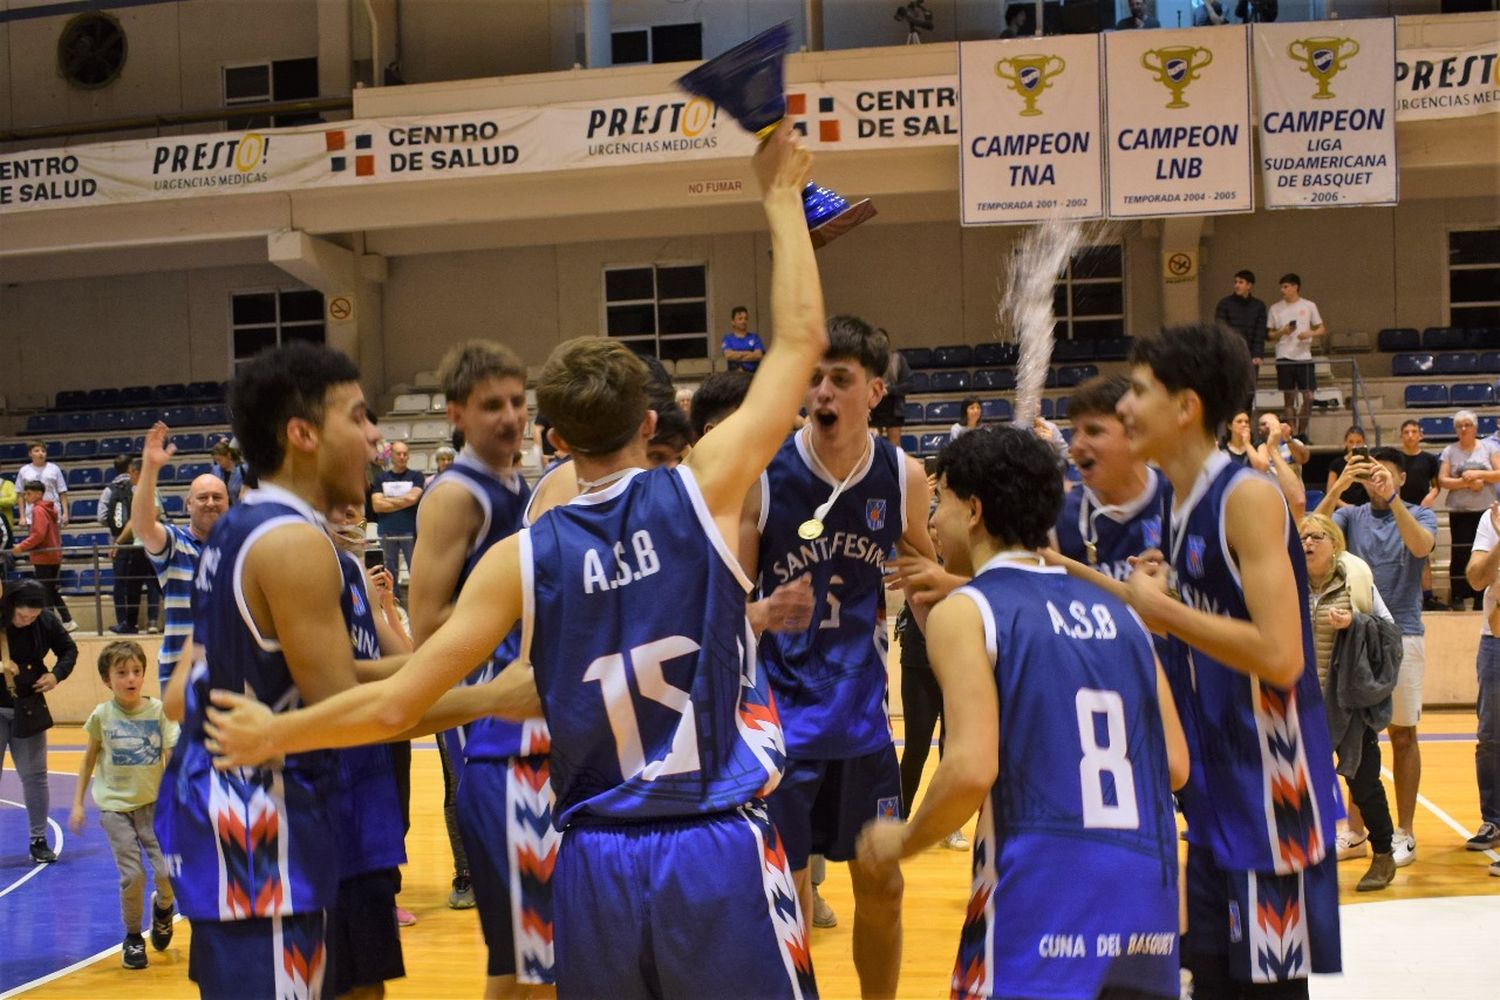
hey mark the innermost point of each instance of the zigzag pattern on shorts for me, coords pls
(533, 847)
(758, 721)
(1296, 837)
(303, 957)
(248, 811)
(781, 897)
(971, 971)
(1278, 929)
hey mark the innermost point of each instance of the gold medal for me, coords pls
(810, 529)
(1093, 552)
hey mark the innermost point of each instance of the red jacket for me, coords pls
(44, 537)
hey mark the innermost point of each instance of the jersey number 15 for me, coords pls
(645, 661)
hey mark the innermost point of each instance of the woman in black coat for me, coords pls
(31, 632)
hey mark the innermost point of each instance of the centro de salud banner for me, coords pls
(1177, 108)
(1031, 145)
(1327, 112)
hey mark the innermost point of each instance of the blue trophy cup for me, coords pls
(746, 82)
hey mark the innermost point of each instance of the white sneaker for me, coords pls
(1353, 845)
(1403, 848)
(823, 915)
(956, 841)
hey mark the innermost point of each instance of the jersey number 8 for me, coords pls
(1101, 760)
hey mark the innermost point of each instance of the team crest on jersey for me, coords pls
(875, 514)
(1151, 531)
(358, 600)
(1195, 547)
(888, 808)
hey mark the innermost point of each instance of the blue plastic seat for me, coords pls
(1412, 364)
(1047, 408)
(1483, 338)
(205, 392)
(137, 395)
(169, 393)
(14, 451)
(70, 399)
(86, 476)
(1402, 338)
(74, 450)
(920, 381)
(1073, 350)
(1425, 395)
(54, 450)
(1472, 394)
(77, 423)
(992, 354)
(917, 357)
(1456, 363)
(944, 413)
(1314, 497)
(83, 510)
(931, 444)
(1070, 375)
(1443, 338)
(997, 409)
(1438, 429)
(112, 446)
(909, 443)
(914, 412)
(72, 581)
(997, 379)
(167, 473)
(188, 471)
(180, 416)
(212, 413)
(190, 442)
(111, 420)
(953, 356)
(1489, 362)
(1488, 426)
(43, 423)
(141, 418)
(1112, 348)
(99, 399)
(172, 505)
(950, 381)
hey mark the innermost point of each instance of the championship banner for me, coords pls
(1031, 145)
(1447, 83)
(1177, 107)
(1327, 112)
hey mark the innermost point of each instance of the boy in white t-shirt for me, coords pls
(130, 738)
(1292, 324)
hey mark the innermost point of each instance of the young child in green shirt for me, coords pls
(130, 738)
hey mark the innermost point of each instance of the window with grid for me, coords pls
(266, 82)
(258, 320)
(1474, 277)
(661, 43)
(1089, 297)
(658, 309)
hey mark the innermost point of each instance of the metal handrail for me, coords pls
(176, 118)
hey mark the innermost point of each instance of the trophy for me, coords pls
(1322, 58)
(1176, 67)
(1028, 77)
(746, 81)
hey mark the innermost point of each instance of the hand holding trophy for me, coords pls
(746, 81)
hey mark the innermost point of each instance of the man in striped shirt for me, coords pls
(173, 549)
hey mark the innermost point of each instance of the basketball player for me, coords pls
(833, 505)
(664, 732)
(503, 799)
(1261, 886)
(1062, 657)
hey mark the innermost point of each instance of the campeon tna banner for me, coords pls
(1327, 112)
(1031, 141)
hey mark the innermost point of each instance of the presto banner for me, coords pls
(1177, 108)
(1031, 144)
(1327, 112)
(1447, 83)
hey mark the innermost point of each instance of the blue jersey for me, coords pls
(1262, 792)
(1083, 788)
(252, 842)
(830, 681)
(635, 623)
(1117, 532)
(366, 807)
(501, 500)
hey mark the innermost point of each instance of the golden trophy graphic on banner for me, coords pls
(1177, 66)
(1028, 76)
(1322, 58)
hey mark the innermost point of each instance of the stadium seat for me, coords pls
(991, 354)
(43, 423)
(695, 367)
(1314, 497)
(205, 392)
(950, 381)
(1000, 379)
(395, 430)
(1394, 339)
(77, 423)
(920, 381)
(420, 460)
(74, 450)
(99, 399)
(1456, 363)
(909, 443)
(439, 403)
(212, 413)
(431, 430)
(111, 420)
(1061, 413)
(189, 442)
(1047, 408)
(137, 395)
(1051, 382)
(932, 443)
(188, 471)
(1443, 338)
(112, 446)
(1483, 338)
(142, 417)
(70, 399)
(1488, 426)
(172, 505)
(1412, 364)
(179, 416)
(944, 413)
(1425, 395)
(954, 356)
(15, 451)
(83, 510)
(1438, 429)
(167, 473)
(411, 402)
(914, 412)
(1073, 350)
(1489, 362)
(54, 450)
(71, 581)
(1472, 394)
(997, 409)
(917, 357)
(1070, 375)
(1112, 349)
(88, 476)
(88, 539)
(169, 393)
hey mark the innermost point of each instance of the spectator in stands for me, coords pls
(1394, 538)
(1245, 314)
(1481, 577)
(173, 550)
(395, 495)
(684, 399)
(133, 572)
(973, 413)
(1237, 443)
(1340, 589)
(1137, 18)
(29, 633)
(8, 501)
(1354, 441)
(44, 542)
(1017, 18)
(889, 415)
(441, 459)
(741, 347)
(1207, 13)
(1250, 11)
(1421, 488)
(1468, 469)
(228, 467)
(54, 483)
(1294, 323)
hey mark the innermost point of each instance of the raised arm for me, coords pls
(447, 521)
(143, 523)
(730, 457)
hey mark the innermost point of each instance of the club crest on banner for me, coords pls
(1322, 58)
(1028, 76)
(1176, 66)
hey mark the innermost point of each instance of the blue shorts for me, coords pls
(699, 907)
(821, 805)
(283, 957)
(1271, 928)
(505, 819)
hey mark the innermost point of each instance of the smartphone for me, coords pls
(374, 557)
(1362, 451)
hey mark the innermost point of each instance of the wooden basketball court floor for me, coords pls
(1430, 935)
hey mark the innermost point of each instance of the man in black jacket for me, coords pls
(1243, 313)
